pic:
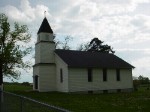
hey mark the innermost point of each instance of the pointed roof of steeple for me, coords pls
(45, 27)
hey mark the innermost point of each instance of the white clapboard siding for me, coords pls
(60, 64)
(43, 36)
(44, 52)
(44, 49)
(37, 53)
(47, 78)
(78, 80)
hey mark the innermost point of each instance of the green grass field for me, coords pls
(138, 101)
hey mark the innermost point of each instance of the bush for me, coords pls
(136, 84)
(26, 84)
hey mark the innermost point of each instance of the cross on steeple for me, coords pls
(45, 13)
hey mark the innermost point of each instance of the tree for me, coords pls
(96, 45)
(64, 44)
(136, 83)
(12, 50)
(143, 80)
(83, 47)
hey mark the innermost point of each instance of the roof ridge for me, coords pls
(83, 51)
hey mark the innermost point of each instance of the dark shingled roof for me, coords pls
(91, 59)
(45, 27)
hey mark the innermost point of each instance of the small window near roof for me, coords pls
(61, 75)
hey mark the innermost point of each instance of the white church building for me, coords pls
(77, 71)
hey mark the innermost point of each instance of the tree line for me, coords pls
(95, 45)
(141, 80)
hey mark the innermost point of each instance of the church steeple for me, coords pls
(45, 27)
(44, 68)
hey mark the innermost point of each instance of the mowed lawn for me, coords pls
(138, 101)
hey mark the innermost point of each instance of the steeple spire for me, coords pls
(45, 13)
(45, 27)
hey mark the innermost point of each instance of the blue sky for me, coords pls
(123, 24)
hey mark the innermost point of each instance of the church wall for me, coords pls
(44, 48)
(127, 76)
(47, 78)
(46, 52)
(35, 70)
(45, 37)
(37, 53)
(60, 64)
(78, 80)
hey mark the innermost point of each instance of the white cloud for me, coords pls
(142, 66)
(140, 1)
(88, 10)
(25, 13)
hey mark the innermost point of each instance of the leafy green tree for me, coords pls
(96, 45)
(143, 80)
(12, 50)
